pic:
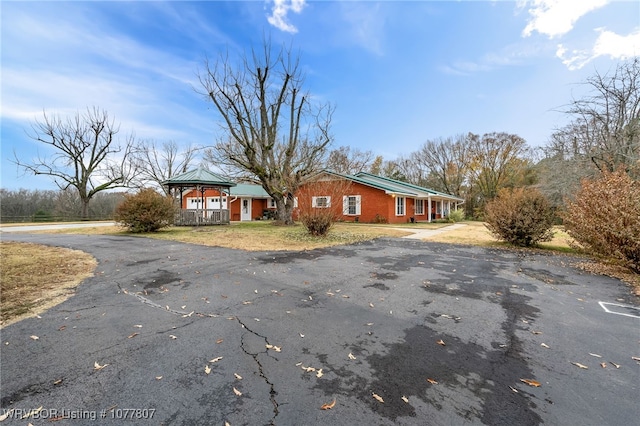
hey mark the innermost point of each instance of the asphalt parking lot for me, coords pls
(393, 331)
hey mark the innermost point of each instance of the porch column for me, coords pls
(429, 209)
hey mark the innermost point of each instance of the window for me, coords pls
(400, 206)
(419, 207)
(321, 202)
(351, 205)
(271, 203)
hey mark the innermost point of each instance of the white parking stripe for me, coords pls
(612, 307)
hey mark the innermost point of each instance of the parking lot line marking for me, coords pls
(614, 308)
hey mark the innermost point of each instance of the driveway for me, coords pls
(393, 331)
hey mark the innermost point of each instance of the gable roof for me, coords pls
(405, 186)
(395, 187)
(199, 176)
(250, 190)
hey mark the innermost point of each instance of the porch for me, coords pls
(202, 217)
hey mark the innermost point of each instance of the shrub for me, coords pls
(146, 211)
(604, 218)
(522, 217)
(317, 225)
(456, 216)
(379, 219)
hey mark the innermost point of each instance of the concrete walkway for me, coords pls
(423, 234)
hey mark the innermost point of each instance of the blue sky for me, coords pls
(399, 73)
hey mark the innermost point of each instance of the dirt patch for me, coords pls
(37, 277)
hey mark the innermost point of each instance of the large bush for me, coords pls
(604, 218)
(520, 216)
(146, 211)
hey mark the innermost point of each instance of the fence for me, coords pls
(202, 217)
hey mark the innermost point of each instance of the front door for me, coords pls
(245, 209)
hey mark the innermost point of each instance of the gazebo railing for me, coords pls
(202, 217)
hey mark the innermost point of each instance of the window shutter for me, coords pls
(358, 202)
(345, 205)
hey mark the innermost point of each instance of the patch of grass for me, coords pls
(477, 234)
(36, 277)
(265, 236)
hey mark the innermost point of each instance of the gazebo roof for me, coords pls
(199, 176)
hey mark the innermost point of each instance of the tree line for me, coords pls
(274, 132)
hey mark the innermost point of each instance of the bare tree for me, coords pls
(158, 162)
(448, 161)
(606, 125)
(346, 160)
(271, 126)
(83, 154)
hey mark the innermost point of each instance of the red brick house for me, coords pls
(207, 199)
(365, 197)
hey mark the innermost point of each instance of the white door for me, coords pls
(245, 209)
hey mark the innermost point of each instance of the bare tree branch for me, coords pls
(271, 128)
(82, 153)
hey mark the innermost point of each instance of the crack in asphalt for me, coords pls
(272, 390)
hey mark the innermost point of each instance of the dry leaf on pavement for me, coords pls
(378, 398)
(328, 406)
(577, 364)
(530, 382)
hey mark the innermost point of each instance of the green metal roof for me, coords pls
(404, 186)
(392, 186)
(249, 190)
(199, 176)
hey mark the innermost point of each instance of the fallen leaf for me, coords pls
(596, 355)
(237, 392)
(183, 306)
(97, 366)
(158, 377)
(319, 373)
(62, 327)
(227, 424)
(615, 365)
(530, 382)
(405, 399)
(257, 319)
(433, 382)
(33, 337)
(441, 342)
(216, 359)
(237, 376)
(138, 326)
(577, 364)
(173, 337)
(207, 369)
(544, 345)
(188, 315)
(301, 335)
(371, 305)
(513, 389)
(635, 358)
(247, 302)
(307, 369)
(57, 382)
(536, 332)
(219, 341)
(378, 398)
(369, 324)
(603, 364)
(131, 336)
(277, 348)
(351, 356)
(328, 406)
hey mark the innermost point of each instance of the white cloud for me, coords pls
(279, 13)
(556, 17)
(608, 43)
